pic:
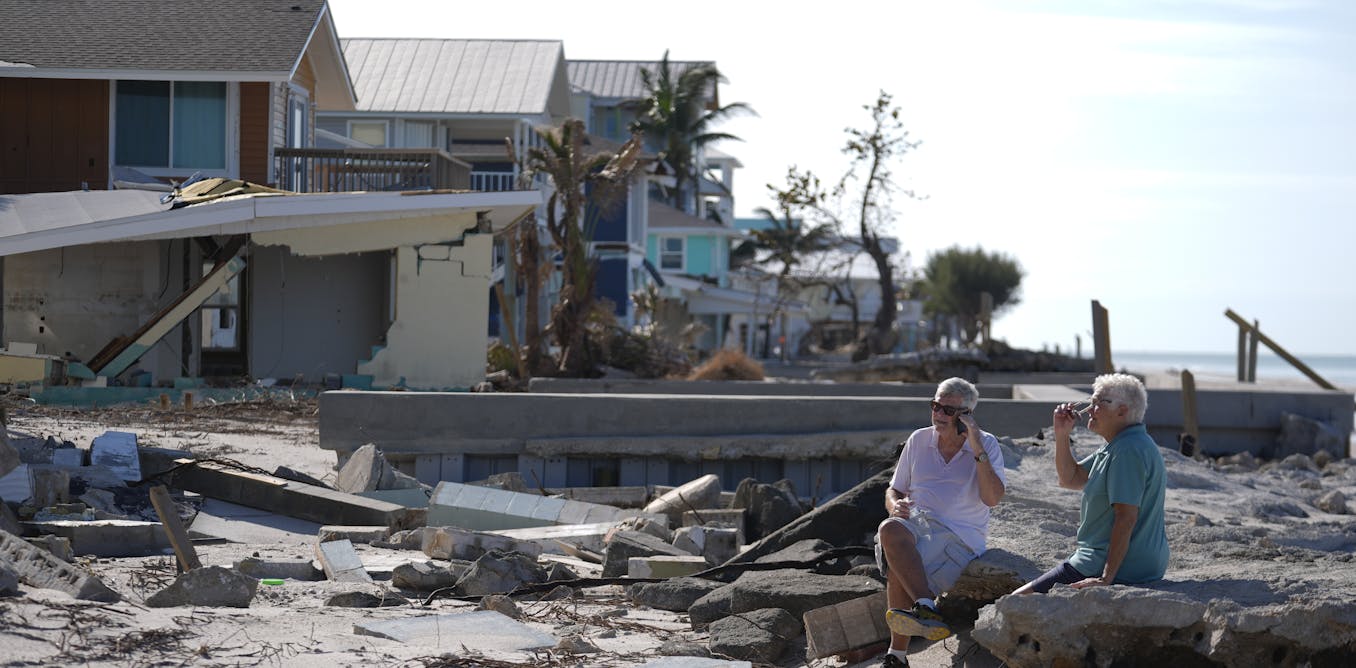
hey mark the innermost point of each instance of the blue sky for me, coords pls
(1169, 159)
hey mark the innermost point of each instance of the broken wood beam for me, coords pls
(174, 527)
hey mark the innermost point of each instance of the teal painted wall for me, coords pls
(700, 256)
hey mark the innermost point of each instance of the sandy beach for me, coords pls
(1229, 541)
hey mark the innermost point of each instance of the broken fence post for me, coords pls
(183, 547)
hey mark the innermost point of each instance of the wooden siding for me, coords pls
(255, 110)
(53, 135)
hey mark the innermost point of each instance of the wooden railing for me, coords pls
(320, 170)
(1249, 336)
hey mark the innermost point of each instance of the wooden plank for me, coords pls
(1101, 339)
(1252, 354)
(183, 547)
(1190, 440)
(1282, 352)
(842, 627)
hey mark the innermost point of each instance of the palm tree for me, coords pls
(677, 115)
(584, 185)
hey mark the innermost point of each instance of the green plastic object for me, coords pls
(272, 581)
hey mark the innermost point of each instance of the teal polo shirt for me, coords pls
(1127, 470)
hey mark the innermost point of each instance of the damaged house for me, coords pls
(286, 261)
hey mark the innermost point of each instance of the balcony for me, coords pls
(493, 181)
(321, 170)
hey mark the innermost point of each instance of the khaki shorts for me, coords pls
(943, 553)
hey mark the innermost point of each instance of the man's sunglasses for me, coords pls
(950, 411)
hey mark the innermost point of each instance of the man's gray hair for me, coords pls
(959, 387)
(1125, 389)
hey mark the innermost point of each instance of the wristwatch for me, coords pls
(982, 456)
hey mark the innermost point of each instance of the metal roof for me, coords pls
(459, 76)
(186, 35)
(620, 79)
(665, 218)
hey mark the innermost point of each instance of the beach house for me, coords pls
(270, 267)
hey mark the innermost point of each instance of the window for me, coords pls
(671, 253)
(180, 124)
(418, 134)
(221, 315)
(372, 133)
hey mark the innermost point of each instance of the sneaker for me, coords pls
(892, 661)
(918, 621)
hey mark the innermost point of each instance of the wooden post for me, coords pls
(1281, 352)
(183, 547)
(985, 315)
(188, 401)
(1189, 441)
(1242, 353)
(1252, 354)
(1101, 339)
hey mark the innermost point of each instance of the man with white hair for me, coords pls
(948, 477)
(1121, 534)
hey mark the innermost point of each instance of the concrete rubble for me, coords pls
(753, 577)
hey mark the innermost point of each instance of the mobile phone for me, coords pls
(960, 426)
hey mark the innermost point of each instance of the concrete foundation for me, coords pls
(823, 444)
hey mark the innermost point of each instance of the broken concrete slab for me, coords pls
(109, 538)
(367, 470)
(848, 519)
(500, 604)
(427, 575)
(118, 451)
(487, 508)
(9, 581)
(68, 457)
(716, 544)
(38, 568)
(358, 535)
(209, 586)
(845, 626)
(341, 563)
(665, 566)
(58, 546)
(719, 517)
(620, 497)
(699, 494)
(456, 543)
(627, 544)
(497, 572)
(756, 635)
(287, 569)
(482, 630)
(770, 507)
(294, 499)
(588, 536)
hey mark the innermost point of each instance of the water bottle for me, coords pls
(920, 516)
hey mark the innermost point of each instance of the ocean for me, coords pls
(1340, 370)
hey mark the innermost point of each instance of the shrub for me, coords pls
(728, 364)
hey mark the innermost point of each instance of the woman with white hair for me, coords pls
(1121, 534)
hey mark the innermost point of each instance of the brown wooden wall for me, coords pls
(53, 135)
(255, 140)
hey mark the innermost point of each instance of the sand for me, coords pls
(1228, 532)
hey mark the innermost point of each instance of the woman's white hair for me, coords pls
(959, 387)
(1124, 389)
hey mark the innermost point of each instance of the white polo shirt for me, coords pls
(949, 491)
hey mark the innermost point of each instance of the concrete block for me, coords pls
(68, 457)
(58, 546)
(118, 451)
(735, 518)
(664, 566)
(109, 538)
(842, 627)
(479, 631)
(603, 514)
(38, 568)
(340, 562)
(523, 505)
(413, 497)
(447, 542)
(289, 569)
(51, 485)
(588, 536)
(360, 535)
